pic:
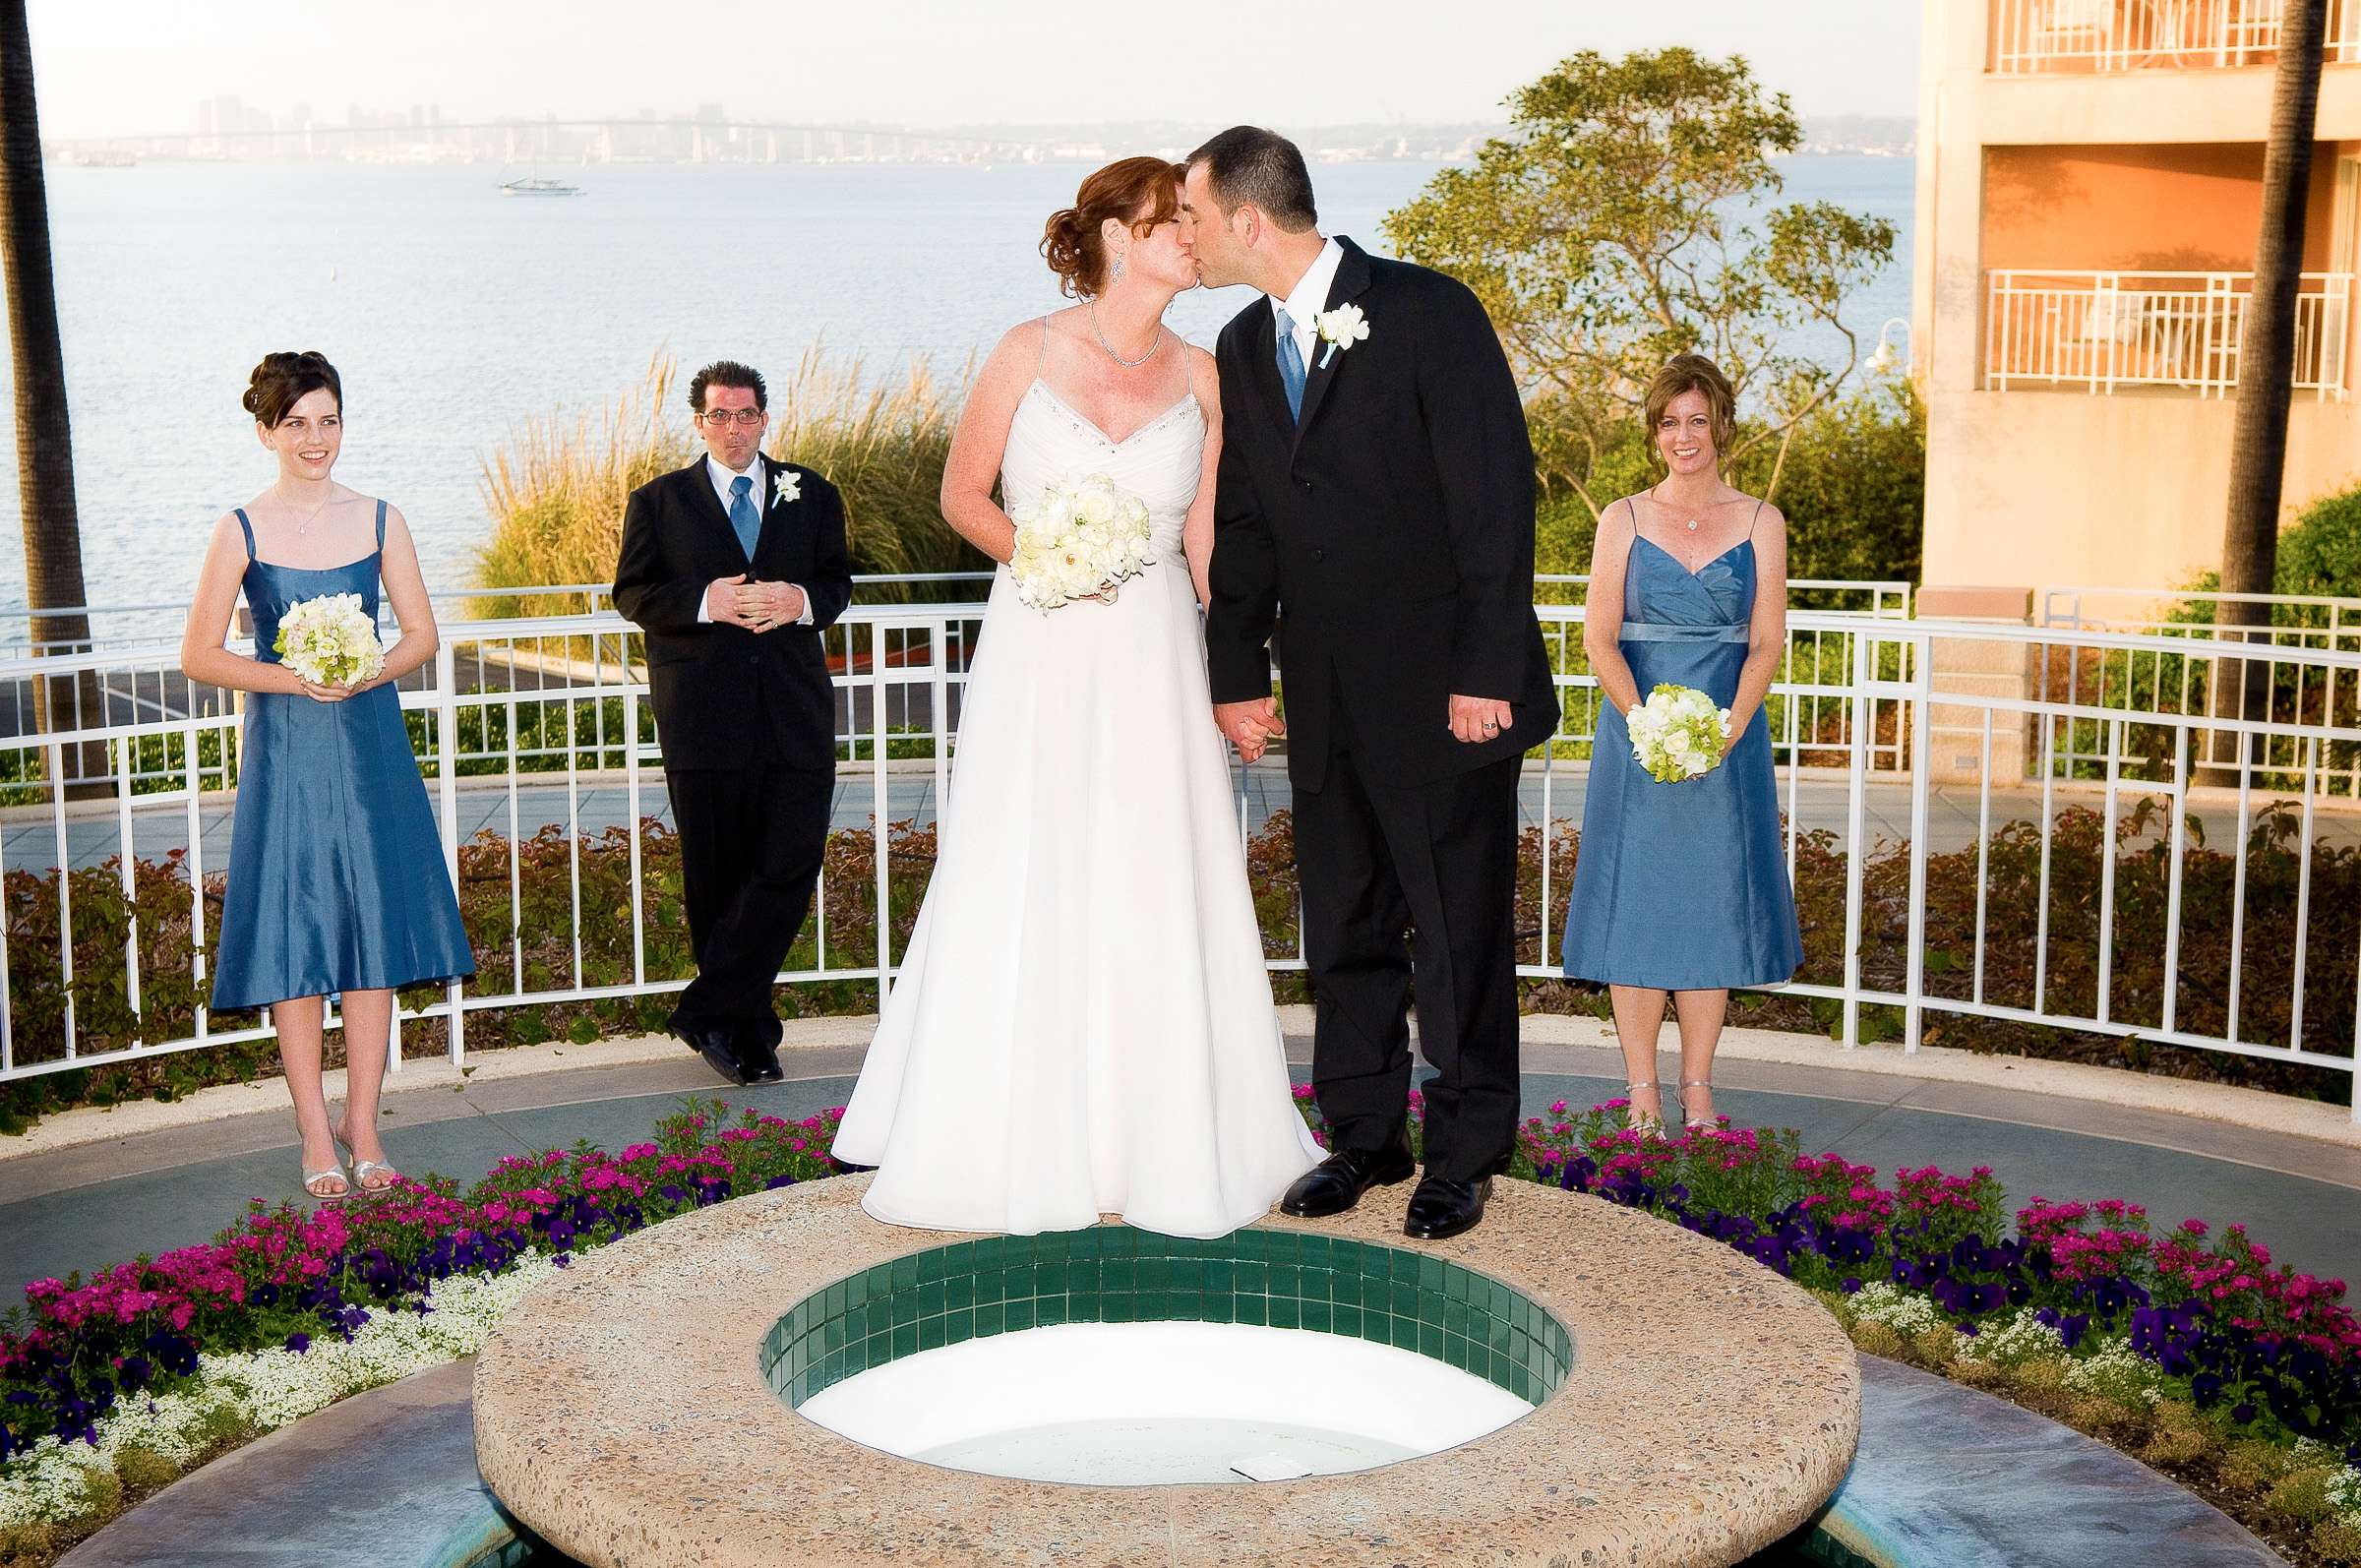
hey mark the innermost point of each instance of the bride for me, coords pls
(1083, 1023)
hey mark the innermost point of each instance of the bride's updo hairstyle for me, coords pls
(1140, 191)
(283, 380)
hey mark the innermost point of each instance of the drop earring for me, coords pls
(1116, 275)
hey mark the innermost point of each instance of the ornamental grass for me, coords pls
(556, 489)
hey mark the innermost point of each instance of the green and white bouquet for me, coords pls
(329, 641)
(1077, 538)
(1677, 733)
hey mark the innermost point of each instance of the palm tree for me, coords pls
(2250, 547)
(44, 446)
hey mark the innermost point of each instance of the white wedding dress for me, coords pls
(1082, 1024)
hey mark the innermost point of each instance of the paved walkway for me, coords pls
(66, 1206)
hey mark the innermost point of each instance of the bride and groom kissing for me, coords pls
(1082, 1022)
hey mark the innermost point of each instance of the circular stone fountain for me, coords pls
(780, 1379)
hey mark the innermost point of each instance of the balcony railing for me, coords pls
(2089, 36)
(2105, 331)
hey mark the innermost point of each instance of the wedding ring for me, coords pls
(1489, 728)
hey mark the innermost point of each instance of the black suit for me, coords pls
(1385, 539)
(746, 721)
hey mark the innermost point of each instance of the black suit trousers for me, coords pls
(751, 844)
(1378, 862)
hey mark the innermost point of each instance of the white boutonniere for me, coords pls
(1341, 328)
(789, 486)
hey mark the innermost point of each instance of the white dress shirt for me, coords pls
(761, 473)
(1309, 298)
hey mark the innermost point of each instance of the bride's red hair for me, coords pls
(1141, 192)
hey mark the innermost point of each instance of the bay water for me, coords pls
(455, 314)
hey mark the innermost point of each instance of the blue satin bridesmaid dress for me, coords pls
(1683, 886)
(336, 879)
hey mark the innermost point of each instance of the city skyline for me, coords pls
(129, 71)
(227, 129)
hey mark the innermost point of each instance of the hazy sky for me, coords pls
(125, 66)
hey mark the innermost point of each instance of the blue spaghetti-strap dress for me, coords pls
(337, 878)
(1683, 886)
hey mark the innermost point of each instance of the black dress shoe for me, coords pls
(1441, 1207)
(757, 1056)
(720, 1054)
(1337, 1182)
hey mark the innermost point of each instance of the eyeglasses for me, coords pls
(719, 418)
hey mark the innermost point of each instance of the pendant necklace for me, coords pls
(1154, 344)
(1652, 495)
(303, 530)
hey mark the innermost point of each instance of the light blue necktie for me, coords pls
(743, 515)
(1291, 365)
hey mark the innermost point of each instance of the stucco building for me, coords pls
(2089, 189)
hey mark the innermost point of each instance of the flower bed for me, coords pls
(2192, 1352)
(2191, 1349)
(111, 1385)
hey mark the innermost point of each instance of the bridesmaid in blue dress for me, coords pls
(1682, 888)
(336, 879)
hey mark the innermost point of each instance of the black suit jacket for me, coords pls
(1387, 535)
(710, 681)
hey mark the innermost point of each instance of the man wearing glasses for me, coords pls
(733, 566)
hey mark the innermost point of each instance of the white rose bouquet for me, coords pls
(329, 641)
(1076, 538)
(1677, 734)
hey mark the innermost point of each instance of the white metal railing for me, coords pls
(2081, 36)
(2104, 330)
(139, 676)
(2045, 890)
(2193, 676)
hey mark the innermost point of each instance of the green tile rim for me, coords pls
(1114, 1273)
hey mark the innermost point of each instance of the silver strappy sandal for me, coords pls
(335, 1173)
(363, 1170)
(1697, 1124)
(1644, 1121)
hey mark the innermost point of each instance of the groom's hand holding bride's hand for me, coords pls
(1249, 725)
(1475, 719)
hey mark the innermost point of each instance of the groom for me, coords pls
(733, 566)
(1373, 521)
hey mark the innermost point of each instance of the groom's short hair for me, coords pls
(1250, 164)
(727, 372)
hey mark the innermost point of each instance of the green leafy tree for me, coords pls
(1628, 216)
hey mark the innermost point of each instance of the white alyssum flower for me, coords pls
(263, 1390)
(2021, 1338)
(1075, 539)
(788, 486)
(2344, 1494)
(1881, 1301)
(1340, 328)
(1677, 733)
(2114, 1370)
(329, 641)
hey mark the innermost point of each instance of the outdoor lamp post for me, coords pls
(1882, 357)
